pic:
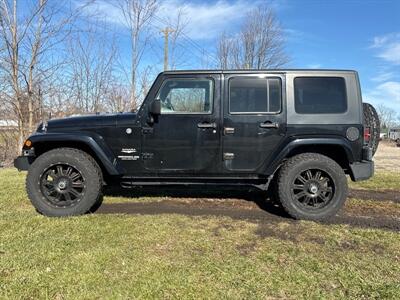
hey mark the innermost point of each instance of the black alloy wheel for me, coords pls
(313, 188)
(62, 185)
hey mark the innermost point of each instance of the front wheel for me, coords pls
(312, 187)
(64, 182)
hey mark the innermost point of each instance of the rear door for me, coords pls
(254, 120)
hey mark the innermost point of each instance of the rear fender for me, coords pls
(281, 154)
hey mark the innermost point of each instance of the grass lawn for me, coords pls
(176, 256)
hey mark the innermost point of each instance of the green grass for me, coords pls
(380, 181)
(176, 256)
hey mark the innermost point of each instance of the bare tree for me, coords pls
(258, 45)
(387, 116)
(224, 51)
(27, 35)
(91, 70)
(118, 98)
(138, 15)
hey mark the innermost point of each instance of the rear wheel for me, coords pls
(64, 182)
(311, 186)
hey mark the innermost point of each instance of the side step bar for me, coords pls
(135, 182)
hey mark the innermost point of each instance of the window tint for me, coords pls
(186, 96)
(254, 95)
(320, 95)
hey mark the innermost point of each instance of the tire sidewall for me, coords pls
(80, 162)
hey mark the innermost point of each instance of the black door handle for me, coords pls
(207, 125)
(269, 124)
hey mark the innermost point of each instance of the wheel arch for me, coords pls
(93, 146)
(335, 148)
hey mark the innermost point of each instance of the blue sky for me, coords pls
(355, 34)
(360, 35)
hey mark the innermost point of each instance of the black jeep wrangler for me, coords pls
(301, 131)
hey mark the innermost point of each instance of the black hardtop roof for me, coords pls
(250, 71)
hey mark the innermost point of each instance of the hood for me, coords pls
(80, 122)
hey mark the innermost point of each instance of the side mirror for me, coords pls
(155, 107)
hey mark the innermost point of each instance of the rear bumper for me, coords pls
(22, 163)
(362, 170)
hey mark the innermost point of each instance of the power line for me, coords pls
(191, 41)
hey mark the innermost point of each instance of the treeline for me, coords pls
(60, 58)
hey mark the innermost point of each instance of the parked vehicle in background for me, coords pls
(394, 135)
(298, 132)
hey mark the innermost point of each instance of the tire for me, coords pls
(371, 120)
(96, 205)
(64, 182)
(306, 200)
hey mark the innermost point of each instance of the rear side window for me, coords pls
(320, 95)
(254, 95)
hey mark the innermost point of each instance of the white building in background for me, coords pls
(8, 125)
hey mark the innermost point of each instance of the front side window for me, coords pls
(180, 96)
(320, 95)
(254, 95)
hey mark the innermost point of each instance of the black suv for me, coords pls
(298, 132)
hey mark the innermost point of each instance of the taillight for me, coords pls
(367, 134)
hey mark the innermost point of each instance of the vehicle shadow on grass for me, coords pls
(250, 205)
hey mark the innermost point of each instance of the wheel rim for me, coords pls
(313, 189)
(62, 185)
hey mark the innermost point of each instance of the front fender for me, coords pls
(94, 141)
(299, 142)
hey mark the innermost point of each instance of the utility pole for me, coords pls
(166, 33)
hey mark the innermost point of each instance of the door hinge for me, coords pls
(147, 156)
(229, 156)
(147, 130)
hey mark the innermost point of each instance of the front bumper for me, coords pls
(362, 170)
(22, 163)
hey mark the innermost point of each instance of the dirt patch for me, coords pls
(380, 222)
(387, 158)
(372, 210)
(264, 214)
(384, 195)
(251, 205)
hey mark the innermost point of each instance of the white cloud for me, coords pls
(388, 46)
(387, 93)
(205, 20)
(383, 76)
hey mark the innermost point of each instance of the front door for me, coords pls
(253, 121)
(185, 138)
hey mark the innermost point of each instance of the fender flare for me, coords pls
(298, 142)
(93, 141)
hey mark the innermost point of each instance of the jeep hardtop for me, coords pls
(296, 132)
